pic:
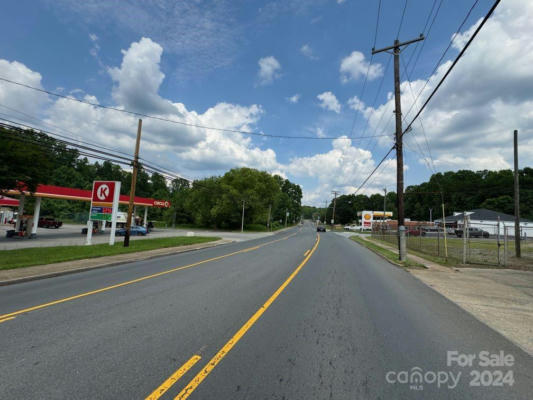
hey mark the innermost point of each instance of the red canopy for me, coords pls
(8, 202)
(65, 193)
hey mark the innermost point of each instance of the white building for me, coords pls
(490, 221)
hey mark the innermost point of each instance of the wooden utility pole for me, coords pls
(133, 183)
(516, 199)
(384, 206)
(334, 192)
(242, 219)
(396, 50)
(268, 220)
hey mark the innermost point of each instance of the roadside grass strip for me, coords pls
(386, 253)
(20, 258)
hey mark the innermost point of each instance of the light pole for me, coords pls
(430, 215)
(242, 220)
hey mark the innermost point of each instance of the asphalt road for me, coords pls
(283, 317)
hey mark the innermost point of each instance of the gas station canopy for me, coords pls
(8, 202)
(64, 193)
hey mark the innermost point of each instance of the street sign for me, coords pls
(104, 207)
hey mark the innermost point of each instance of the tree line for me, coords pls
(215, 202)
(459, 191)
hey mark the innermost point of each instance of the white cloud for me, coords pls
(294, 99)
(355, 66)
(269, 70)
(186, 149)
(139, 77)
(328, 101)
(93, 37)
(319, 132)
(343, 168)
(356, 104)
(18, 97)
(340, 1)
(308, 52)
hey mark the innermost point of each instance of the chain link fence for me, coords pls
(481, 244)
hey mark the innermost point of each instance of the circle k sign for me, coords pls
(103, 191)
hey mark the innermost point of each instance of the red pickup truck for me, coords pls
(49, 223)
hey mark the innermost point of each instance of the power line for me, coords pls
(373, 171)
(466, 46)
(73, 135)
(437, 65)
(401, 20)
(408, 128)
(368, 68)
(160, 168)
(85, 150)
(388, 63)
(138, 114)
(426, 35)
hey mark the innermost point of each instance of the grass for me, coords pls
(389, 255)
(427, 256)
(21, 258)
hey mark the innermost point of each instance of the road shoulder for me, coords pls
(500, 298)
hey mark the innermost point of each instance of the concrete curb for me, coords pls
(141, 256)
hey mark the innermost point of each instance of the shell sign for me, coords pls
(367, 219)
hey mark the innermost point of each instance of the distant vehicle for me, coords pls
(430, 230)
(413, 232)
(134, 231)
(50, 223)
(352, 227)
(321, 228)
(473, 232)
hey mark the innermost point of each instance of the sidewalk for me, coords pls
(500, 298)
(17, 275)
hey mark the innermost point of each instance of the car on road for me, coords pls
(352, 227)
(50, 223)
(134, 231)
(321, 228)
(472, 232)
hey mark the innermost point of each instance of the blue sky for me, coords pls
(237, 64)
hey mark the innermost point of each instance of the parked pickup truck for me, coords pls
(49, 223)
(473, 232)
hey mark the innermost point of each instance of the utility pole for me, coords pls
(268, 220)
(286, 216)
(133, 183)
(430, 215)
(334, 192)
(516, 199)
(325, 212)
(242, 219)
(384, 206)
(396, 50)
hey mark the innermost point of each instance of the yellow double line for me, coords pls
(9, 316)
(224, 350)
